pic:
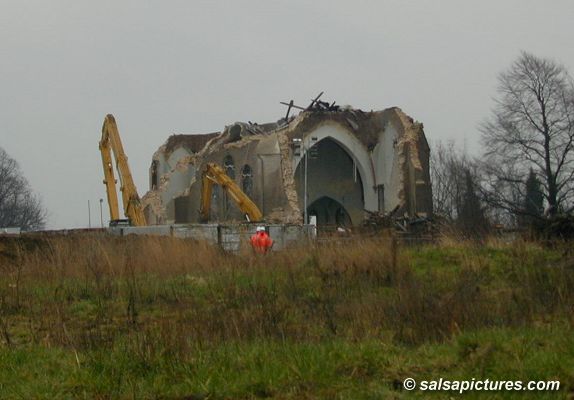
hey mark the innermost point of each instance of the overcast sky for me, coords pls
(164, 67)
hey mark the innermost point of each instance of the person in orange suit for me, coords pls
(260, 241)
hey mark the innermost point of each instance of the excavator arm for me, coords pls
(214, 174)
(109, 143)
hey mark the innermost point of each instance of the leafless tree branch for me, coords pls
(19, 206)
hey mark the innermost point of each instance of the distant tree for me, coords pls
(534, 198)
(19, 207)
(456, 192)
(532, 213)
(531, 129)
(471, 221)
(448, 167)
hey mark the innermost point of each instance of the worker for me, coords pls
(260, 241)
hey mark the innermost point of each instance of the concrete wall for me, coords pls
(263, 158)
(229, 237)
(387, 170)
(420, 178)
(169, 177)
(381, 166)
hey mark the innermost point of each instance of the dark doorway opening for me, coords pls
(329, 212)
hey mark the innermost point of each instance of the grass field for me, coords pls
(99, 317)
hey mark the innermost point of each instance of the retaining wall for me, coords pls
(229, 237)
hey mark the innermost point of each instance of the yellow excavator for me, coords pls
(133, 210)
(214, 174)
(132, 205)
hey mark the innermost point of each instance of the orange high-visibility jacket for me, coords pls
(261, 242)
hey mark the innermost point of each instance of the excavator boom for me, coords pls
(214, 174)
(132, 206)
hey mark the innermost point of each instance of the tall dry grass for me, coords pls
(160, 295)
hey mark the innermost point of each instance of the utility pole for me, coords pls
(101, 213)
(305, 197)
(301, 150)
(89, 216)
(310, 150)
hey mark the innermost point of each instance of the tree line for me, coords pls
(524, 176)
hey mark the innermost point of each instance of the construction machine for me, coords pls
(214, 174)
(132, 205)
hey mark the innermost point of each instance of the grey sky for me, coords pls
(165, 67)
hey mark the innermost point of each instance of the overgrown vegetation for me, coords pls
(101, 317)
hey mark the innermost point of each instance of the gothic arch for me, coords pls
(354, 148)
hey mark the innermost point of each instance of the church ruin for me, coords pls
(351, 160)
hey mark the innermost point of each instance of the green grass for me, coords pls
(281, 369)
(142, 319)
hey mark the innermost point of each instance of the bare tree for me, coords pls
(472, 220)
(19, 207)
(456, 196)
(532, 128)
(448, 176)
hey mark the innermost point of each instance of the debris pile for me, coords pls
(377, 220)
(316, 105)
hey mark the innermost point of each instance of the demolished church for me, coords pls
(346, 161)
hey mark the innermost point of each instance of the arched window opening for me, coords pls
(229, 166)
(247, 180)
(215, 196)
